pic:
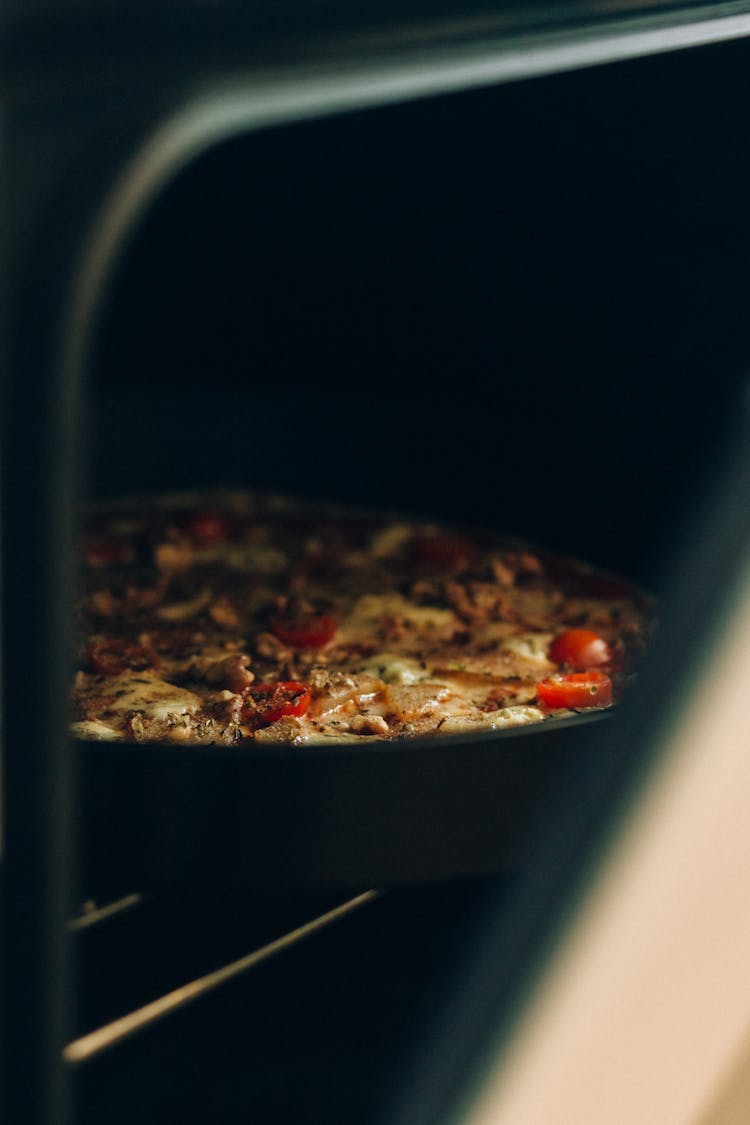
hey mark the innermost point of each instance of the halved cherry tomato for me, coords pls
(265, 703)
(114, 656)
(208, 528)
(447, 552)
(580, 649)
(103, 550)
(575, 691)
(311, 631)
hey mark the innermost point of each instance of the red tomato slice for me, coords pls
(265, 703)
(208, 528)
(447, 552)
(580, 649)
(575, 691)
(103, 550)
(304, 632)
(114, 656)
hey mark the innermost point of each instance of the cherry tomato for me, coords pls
(265, 703)
(312, 631)
(446, 552)
(107, 550)
(114, 656)
(208, 528)
(575, 691)
(580, 649)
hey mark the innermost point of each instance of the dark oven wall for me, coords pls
(521, 306)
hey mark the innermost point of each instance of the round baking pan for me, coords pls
(283, 819)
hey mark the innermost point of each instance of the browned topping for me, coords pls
(388, 629)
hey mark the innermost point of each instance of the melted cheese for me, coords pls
(373, 607)
(143, 693)
(389, 540)
(458, 721)
(515, 716)
(93, 728)
(532, 647)
(394, 669)
(253, 558)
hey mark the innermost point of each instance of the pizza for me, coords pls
(243, 618)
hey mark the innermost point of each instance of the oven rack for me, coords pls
(142, 958)
(321, 1022)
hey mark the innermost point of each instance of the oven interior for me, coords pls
(467, 307)
(521, 306)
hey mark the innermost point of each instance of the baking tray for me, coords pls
(275, 820)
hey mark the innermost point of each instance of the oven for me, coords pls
(484, 266)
